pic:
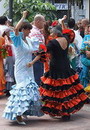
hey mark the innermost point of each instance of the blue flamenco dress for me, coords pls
(25, 98)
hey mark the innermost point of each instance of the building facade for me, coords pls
(78, 13)
(64, 7)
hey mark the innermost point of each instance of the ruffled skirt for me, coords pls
(24, 100)
(63, 95)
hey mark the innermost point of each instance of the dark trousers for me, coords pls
(38, 70)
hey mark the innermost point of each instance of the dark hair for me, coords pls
(76, 27)
(71, 23)
(4, 34)
(3, 20)
(25, 25)
(46, 30)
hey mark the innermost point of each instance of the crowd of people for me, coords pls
(44, 67)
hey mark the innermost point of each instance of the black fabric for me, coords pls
(56, 112)
(58, 88)
(62, 100)
(59, 69)
(38, 70)
(59, 64)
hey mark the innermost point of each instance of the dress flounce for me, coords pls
(24, 100)
(62, 96)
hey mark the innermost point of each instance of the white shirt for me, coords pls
(78, 39)
(36, 37)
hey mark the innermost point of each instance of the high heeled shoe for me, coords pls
(20, 120)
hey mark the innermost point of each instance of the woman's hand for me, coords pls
(25, 14)
(30, 64)
(34, 60)
(64, 17)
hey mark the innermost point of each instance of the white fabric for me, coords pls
(36, 37)
(2, 29)
(78, 39)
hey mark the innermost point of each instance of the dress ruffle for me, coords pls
(42, 52)
(24, 100)
(59, 82)
(66, 108)
(62, 96)
(58, 106)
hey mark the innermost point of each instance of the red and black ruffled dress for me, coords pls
(61, 91)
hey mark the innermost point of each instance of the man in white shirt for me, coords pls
(37, 38)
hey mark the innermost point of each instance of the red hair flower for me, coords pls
(54, 23)
(71, 34)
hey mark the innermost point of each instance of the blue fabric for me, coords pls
(85, 61)
(17, 39)
(24, 97)
(84, 75)
(84, 45)
(24, 100)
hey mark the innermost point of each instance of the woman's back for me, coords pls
(59, 59)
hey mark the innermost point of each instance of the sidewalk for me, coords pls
(79, 121)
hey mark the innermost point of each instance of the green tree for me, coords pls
(34, 7)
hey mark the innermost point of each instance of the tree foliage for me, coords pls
(34, 7)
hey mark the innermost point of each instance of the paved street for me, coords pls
(79, 121)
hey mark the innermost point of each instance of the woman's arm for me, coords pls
(34, 60)
(24, 14)
(61, 21)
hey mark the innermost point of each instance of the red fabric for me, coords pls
(9, 50)
(42, 47)
(71, 34)
(54, 23)
(59, 82)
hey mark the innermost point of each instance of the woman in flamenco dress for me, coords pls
(24, 97)
(61, 91)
